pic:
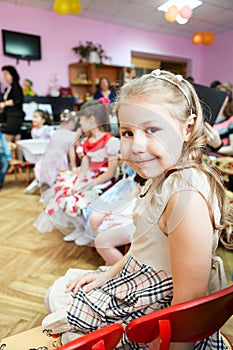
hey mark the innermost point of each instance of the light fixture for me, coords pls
(179, 3)
(183, 8)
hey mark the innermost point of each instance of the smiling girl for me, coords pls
(179, 218)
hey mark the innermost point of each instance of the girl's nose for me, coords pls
(139, 143)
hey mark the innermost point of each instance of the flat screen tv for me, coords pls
(21, 45)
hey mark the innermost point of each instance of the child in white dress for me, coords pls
(41, 130)
(179, 218)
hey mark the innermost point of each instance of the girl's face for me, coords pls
(7, 77)
(86, 124)
(151, 139)
(37, 120)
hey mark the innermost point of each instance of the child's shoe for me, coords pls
(73, 235)
(34, 185)
(83, 240)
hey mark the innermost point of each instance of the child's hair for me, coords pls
(179, 96)
(44, 115)
(68, 117)
(99, 111)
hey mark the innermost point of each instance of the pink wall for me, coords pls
(60, 33)
(217, 62)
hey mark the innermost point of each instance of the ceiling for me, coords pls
(213, 15)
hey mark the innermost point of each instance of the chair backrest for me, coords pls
(105, 338)
(186, 322)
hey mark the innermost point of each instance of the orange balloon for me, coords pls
(61, 7)
(75, 7)
(207, 38)
(171, 14)
(197, 38)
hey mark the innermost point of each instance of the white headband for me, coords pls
(158, 74)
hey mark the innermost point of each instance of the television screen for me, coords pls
(21, 45)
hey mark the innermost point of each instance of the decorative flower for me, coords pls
(85, 49)
(105, 101)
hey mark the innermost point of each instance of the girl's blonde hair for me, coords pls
(180, 97)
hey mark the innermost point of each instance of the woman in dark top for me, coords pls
(104, 90)
(12, 104)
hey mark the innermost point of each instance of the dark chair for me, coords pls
(186, 322)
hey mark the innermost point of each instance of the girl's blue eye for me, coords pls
(151, 130)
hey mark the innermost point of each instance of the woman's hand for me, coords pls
(2, 105)
(87, 282)
(213, 138)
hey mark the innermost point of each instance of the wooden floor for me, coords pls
(31, 261)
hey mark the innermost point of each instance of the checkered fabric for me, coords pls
(137, 290)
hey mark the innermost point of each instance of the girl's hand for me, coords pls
(81, 186)
(87, 282)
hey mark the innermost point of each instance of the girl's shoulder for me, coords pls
(187, 178)
(112, 145)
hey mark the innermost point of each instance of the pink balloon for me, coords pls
(186, 12)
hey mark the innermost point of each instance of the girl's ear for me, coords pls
(189, 126)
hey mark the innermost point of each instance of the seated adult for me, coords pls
(104, 90)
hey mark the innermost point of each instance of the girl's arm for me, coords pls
(72, 157)
(110, 173)
(84, 168)
(104, 177)
(190, 235)
(213, 137)
(95, 280)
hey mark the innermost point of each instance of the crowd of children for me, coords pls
(162, 139)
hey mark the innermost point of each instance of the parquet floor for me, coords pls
(31, 261)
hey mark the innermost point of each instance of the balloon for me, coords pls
(207, 38)
(197, 38)
(171, 14)
(181, 20)
(186, 12)
(61, 7)
(75, 7)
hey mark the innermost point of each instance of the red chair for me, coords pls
(186, 322)
(105, 338)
